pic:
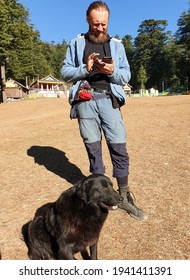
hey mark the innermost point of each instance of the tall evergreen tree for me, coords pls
(183, 40)
(127, 41)
(142, 77)
(58, 58)
(149, 50)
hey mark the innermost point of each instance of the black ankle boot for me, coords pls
(128, 205)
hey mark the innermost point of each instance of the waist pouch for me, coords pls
(84, 95)
(84, 91)
(76, 103)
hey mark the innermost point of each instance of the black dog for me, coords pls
(73, 222)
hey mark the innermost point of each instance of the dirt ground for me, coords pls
(42, 155)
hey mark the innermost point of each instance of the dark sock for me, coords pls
(122, 182)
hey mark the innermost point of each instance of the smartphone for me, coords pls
(107, 59)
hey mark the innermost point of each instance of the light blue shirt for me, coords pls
(74, 70)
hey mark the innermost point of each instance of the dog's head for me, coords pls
(98, 189)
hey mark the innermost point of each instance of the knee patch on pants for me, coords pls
(120, 159)
(94, 151)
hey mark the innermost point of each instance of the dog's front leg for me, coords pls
(93, 252)
(66, 254)
(85, 255)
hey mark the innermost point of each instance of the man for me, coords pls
(97, 95)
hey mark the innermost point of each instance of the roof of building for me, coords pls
(10, 83)
(47, 80)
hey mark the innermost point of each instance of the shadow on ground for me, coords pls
(56, 161)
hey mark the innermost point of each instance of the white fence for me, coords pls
(36, 93)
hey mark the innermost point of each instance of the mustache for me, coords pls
(92, 32)
(102, 36)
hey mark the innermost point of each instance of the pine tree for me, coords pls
(183, 40)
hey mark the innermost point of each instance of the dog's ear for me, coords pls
(81, 192)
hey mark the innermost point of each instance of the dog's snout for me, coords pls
(118, 197)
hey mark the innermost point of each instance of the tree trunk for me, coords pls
(3, 97)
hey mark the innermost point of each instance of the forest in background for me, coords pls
(157, 58)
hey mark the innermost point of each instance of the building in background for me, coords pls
(14, 89)
(48, 87)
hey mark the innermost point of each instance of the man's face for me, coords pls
(98, 25)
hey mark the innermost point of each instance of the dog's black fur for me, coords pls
(72, 223)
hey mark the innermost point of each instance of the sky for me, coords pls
(59, 20)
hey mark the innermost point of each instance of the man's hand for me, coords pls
(102, 67)
(90, 61)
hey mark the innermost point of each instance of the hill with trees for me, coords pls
(157, 58)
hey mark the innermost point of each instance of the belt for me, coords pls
(100, 96)
(100, 91)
